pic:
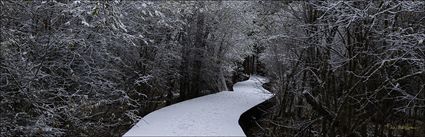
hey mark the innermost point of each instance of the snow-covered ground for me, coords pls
(212, 115)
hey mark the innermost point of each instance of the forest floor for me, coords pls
(211, 115)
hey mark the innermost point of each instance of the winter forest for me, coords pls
(353, 68)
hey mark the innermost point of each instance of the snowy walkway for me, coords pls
(211, 115)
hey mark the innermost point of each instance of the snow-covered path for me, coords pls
(212, 115)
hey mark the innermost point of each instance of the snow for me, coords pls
(77, 2)
(85, 23)
(212, 115)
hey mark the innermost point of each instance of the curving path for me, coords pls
(211, 115)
